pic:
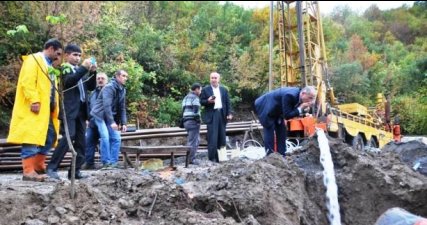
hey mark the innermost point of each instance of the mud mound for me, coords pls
(272, 190)
(412, 153)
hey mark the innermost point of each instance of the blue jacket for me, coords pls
(276, 104)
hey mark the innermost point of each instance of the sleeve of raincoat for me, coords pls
(29, 77)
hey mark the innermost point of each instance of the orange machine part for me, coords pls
(306, 124)
(396, 133)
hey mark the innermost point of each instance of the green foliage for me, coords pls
(137, 77)
(56, 19)
(53, 71)
(19, 29)
(167, 46)
(412, 112)
(351, 83)
(169, 112)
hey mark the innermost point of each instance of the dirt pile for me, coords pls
(413, 153)
(268, 191)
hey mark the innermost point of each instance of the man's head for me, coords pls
(121, 76)
(308, 94)
(196, 88)
(73, 54)
(53, 49)
(101, 79)
(214, 79)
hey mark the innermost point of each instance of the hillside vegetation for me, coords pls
(166, 46)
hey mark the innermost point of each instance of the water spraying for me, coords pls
(329, 179)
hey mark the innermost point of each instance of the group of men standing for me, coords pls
(102, 113)
(36, 112)
(272, 108)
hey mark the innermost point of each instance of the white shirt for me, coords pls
(217, 93)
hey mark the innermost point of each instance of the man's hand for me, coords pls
(93, 67)
(124, 128)
(114, 126)
(211, 99)
(35, 107)
(87, 64)
(230, 117)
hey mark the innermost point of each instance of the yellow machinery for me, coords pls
(303, 62)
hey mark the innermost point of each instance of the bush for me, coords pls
(412, 112)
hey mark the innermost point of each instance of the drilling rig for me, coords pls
(303, 62)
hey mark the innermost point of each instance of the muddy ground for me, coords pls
(272, 190)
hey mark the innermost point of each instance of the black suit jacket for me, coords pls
(72, 104)
(207, 115)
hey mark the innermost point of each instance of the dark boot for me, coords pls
(78, 175)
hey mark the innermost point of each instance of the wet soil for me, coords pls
(273, 190)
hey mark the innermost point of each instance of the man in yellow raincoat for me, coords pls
(34, 121)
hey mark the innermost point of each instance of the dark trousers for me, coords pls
(216, 135)
(77, 129)
(280, 129)
(193, 130)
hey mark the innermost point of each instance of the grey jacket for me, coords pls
(111, 104)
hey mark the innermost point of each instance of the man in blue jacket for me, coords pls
(279, 104)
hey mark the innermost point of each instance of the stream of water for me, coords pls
(329, 179)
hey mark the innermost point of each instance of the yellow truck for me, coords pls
(303, 62)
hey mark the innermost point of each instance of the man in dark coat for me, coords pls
(279, 104)
(75, 82)
(216, 101)
(110, 117)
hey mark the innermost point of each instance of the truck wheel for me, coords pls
(372, 143)
(357, 143)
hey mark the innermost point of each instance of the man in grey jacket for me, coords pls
(110, 117)
(191, 115)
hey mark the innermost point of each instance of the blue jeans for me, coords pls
(92, 137)
(30, 150)
(110, 142)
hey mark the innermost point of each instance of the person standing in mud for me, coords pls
(110, 117)
(279, 104)
(92, 135)
(191, 116)
(34, 122)
(216, 101)
(75, 82)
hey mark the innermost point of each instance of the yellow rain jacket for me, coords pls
(33, 86)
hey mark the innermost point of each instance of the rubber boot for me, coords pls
(40, 166)
(29, 173)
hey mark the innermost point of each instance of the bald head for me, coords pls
(214, 79)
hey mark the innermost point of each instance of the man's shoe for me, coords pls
(52, 174)
(88, 166)
(115, 166)
(106, 167)
(78, 175)
(195, 162)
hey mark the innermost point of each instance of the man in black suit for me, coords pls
(75, 82)
(275, 106)
(215, 99)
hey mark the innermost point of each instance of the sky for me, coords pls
(326, 7)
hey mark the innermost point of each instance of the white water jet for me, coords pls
(329, 179)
